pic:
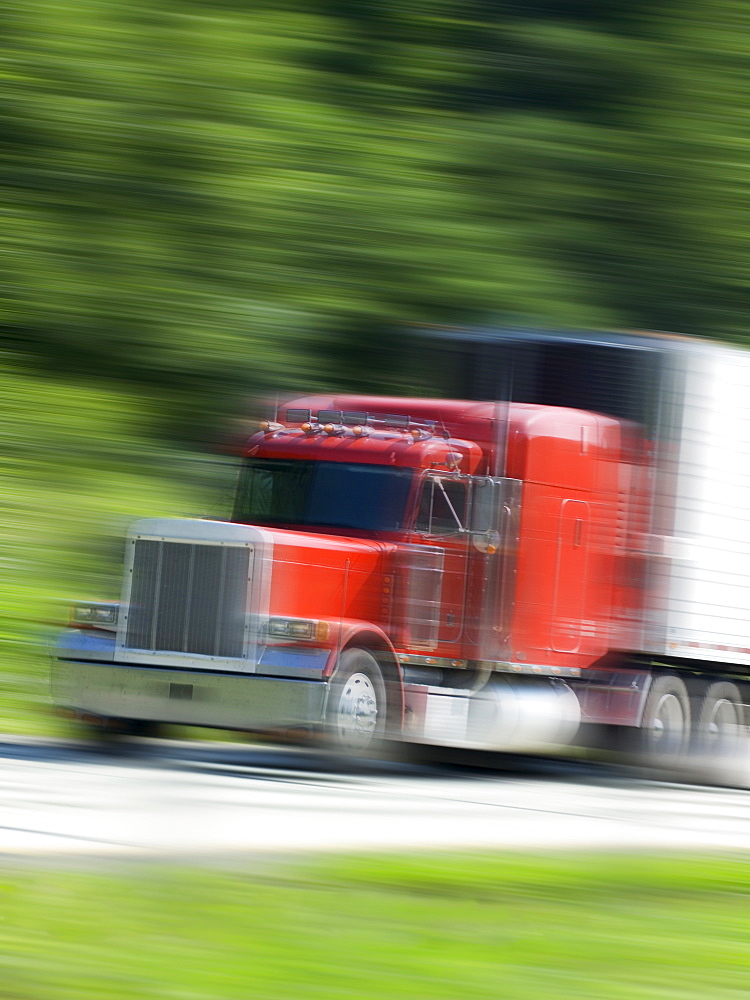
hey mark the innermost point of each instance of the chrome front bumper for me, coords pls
(189, 698)
(283, 689)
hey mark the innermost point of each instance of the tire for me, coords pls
(114, 736)
(357, 703)
(720, 728)
(665, 727)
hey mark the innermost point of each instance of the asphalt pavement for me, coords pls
(177, 799)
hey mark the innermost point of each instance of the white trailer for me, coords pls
(687, 650)
(699, 581)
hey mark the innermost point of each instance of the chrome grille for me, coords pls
(188, 598)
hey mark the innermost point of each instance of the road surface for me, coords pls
(206, 800)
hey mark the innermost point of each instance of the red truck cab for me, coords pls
(426, 569)
(350, 466)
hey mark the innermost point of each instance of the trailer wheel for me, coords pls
(665, 728)
(720, 721)
(356, 711)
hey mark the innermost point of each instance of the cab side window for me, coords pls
(442, 507)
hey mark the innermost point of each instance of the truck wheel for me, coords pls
(665, 728)
(720, 721)
(112, 736)
(355, 716)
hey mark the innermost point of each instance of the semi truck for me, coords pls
(557, 545)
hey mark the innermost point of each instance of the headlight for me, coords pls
(298, 628)
(94, 614)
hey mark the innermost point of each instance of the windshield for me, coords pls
(322, 494)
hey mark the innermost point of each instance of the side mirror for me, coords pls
(487, 511)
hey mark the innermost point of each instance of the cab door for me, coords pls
(569, 600)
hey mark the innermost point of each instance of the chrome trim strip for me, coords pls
(444, 662)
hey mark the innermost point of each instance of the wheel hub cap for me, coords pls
(357, 714)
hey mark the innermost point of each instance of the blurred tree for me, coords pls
(216, 196)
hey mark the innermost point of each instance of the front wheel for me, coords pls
(113, 736)
(356, 712)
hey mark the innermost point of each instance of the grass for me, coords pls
(453, 926)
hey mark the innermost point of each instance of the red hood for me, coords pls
(329, 577)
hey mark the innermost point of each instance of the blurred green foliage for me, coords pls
(79, 462)
(518, 928)
(211, 199)
(209, 195)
